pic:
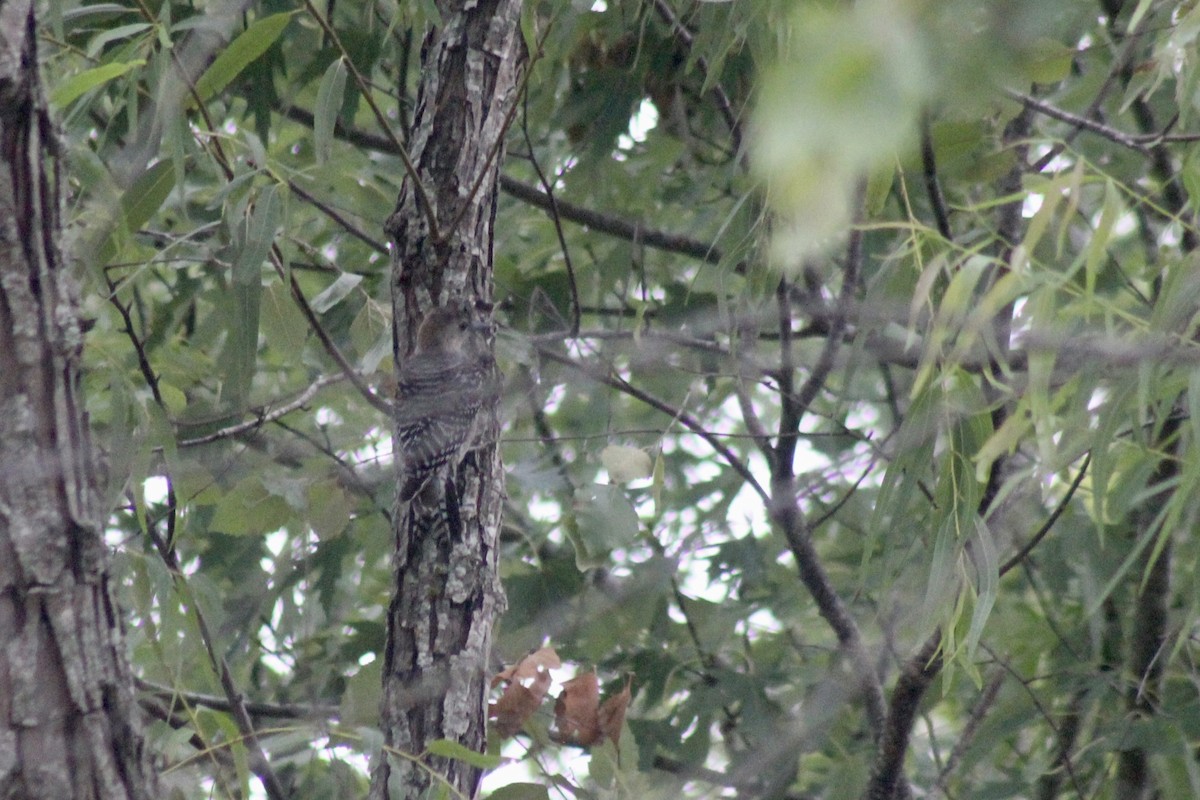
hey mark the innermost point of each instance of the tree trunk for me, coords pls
(447, 591)
(67, 711)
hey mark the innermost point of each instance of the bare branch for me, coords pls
(918, 672)
(263, 416)
(685, 419)
(933, 186)
(722, 99)
(1082, 123)
(547, 187)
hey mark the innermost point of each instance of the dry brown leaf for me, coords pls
(514, 707)
(536, 666)
(576, 710)
(611, 715)
(527, 681)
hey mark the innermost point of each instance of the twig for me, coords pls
(724, 106)
(327, 342)
(613, 225)
(984, 704)
(839, 316)
(259, 764)
(596, 220)
(337, 217)
(269, 710)
(148, 374)
(572, 284)
(918, 672)
(1037, 537)
(684, 419)
(1110, 81)
(1064, 754)
(1079, 122)
(263, 416)
(397, 147)
(933, 186)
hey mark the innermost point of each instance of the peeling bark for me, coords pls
(447, 593)
(67, 713)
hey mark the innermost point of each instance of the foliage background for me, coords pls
(1001, 354)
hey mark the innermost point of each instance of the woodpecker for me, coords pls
(441, 390)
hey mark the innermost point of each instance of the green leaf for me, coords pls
(329, 509)
(73, 87)
(249, 508)
(242, 348)
(335, 292)
(626, 464)
(360, 701)
(139, 203)
(520, 791)
(606, 519)
(987, 571)
(1049, 61)
(282, 323)
(174, 399)
(261, 228)
(248, 46)
(448, 749)
(329, 105)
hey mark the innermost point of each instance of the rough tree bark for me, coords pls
(447, 593)
(67, 710)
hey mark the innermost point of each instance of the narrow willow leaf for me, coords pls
(329, 105)
(987, 568)
(335, 292)
(243, 50)
(260, 235)
(448, 749)
(70, 89)
(138, 204)
(97, 44)
(1097, 249)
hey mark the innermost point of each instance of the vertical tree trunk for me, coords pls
(447, 591)
(67, 710)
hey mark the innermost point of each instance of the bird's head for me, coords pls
(448, 329)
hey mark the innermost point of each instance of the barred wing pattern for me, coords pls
(439, 398)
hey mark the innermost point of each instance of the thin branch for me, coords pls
(263, 416)
(982, 706)
(259, 764)
(684, 418)
(396, 146)
(933, 185)
(267, 710)
(1119, 65)
(1066, 734)
(887, 775)
(572, 284)
(748, 370)
(148, 374)
(839, 316)
(1082, 123)
(790, 411)
(337, 217)
(331, 348)
(831, 606)
(611, 224)
(1037, 537)
(724, 106)
(845, 498)
(1064, 751)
